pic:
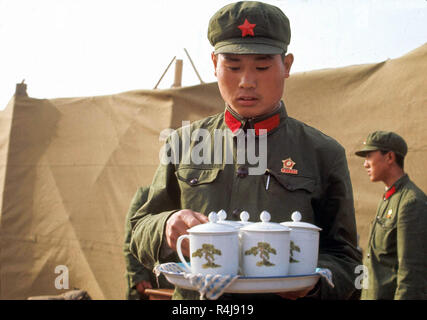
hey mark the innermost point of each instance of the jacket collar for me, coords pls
(396, 186)
(268, 121)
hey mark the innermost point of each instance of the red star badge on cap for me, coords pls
(247, 28)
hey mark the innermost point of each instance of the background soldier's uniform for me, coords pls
(397, 250)
(321, 190)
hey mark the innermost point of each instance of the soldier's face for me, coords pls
(252, 85)
(377, 165)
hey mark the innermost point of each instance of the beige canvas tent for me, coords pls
(69, 167)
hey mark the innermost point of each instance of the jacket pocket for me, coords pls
(291, 193)
(385, 236)
(199, 188)
(385, 223)
(294, 183)
(197, 176)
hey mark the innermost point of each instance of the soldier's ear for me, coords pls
(391, 157)
(288, 60)
(215, 61)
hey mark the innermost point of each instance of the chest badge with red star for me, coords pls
(247, 28)
(288, 165)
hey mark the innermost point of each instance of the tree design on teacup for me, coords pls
(208, 250)
(293, 248)
(264, 249)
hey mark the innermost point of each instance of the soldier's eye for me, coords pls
(263, 68)
(233, 68)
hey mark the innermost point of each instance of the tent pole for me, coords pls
(21, 89)
(164, 73)
(194, 67)
(178, 74)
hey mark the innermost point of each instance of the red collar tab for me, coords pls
(233, 123)
(247, 28)
(268, 124)
(390, 192)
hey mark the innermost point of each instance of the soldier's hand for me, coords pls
(141, 286)
(177, 225)
(293, 295)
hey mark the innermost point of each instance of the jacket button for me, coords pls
(242, 172)
(194, 181)
(368, 255)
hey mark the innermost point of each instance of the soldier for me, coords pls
(302, 168)
(396, 258)
(138, 278)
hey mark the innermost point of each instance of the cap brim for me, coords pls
(251, 48)
(366, 150)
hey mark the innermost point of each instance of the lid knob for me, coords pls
(213, 217)
(265, 216)
(296, 216)
(244, 216)
(222, 215)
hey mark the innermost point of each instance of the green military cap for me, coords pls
(384, 140)
(249, 27)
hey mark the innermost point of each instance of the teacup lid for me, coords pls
(212, 226)
(244, 217)
(266, 225)
(296, 223)
(222, 216)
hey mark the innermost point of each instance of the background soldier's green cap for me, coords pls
(384, 140)
(249, 27)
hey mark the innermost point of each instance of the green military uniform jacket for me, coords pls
(135, 271)
(321, 190)
(396, 258)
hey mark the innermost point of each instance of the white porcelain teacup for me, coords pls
(304, 245)
(264, 248)
(214, 248)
